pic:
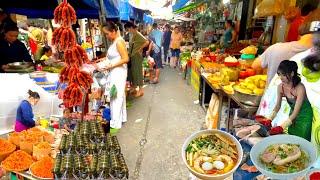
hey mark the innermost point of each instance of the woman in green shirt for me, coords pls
(136, 44)
(229, 35)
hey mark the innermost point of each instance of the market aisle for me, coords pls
(157, 126)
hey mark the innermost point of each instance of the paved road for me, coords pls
(158, 123)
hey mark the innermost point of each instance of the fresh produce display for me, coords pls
(216, 79)
(17, 161)
(246, 73)
(43, 168)
(232, 74)
(284, 158)
(74, 55)
(228, 88)
(235, 49)
(249, 50)
(212, 154)
(253, 85)
(210, 67)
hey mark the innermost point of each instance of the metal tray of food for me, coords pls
(25, 70)
(20, 65)
(248, 99)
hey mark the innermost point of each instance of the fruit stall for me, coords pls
(234, 83)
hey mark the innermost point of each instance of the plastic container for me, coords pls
(247, 56)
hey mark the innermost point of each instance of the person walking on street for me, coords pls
(154, 52)
(175, 44)
(166, 42)
(156, 34)
(136, 44)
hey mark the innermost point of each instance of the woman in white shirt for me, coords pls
(116, 66)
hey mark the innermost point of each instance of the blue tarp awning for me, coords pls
(120, 9)
(44, 9)
(179, 4)
(125, 9)
(148, 19)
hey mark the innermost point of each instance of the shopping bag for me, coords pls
(151, 61)
(212, 116)
(113, 92)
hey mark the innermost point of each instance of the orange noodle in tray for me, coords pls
(6, 148)
(17, 161)
(43, 168)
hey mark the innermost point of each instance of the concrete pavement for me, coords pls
(158, 123)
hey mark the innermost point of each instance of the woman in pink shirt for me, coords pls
(175, 44)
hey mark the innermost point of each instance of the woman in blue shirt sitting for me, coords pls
(25, 117)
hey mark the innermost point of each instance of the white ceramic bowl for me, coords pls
(205, 176)
(305, 145)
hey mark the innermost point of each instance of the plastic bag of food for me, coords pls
(269, 8)
(212, 116)
(291, 13)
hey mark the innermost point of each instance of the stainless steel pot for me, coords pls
(248, 99)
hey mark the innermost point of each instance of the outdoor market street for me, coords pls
(158, 123)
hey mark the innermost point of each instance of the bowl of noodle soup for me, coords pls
(301, 152)
(212, 154)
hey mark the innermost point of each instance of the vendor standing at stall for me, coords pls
(11, 49)
(278, 52)
(25, 117)
(299, 122)
(229, 36)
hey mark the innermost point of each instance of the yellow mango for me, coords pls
(248, 80)
(263, 77)
(251, 86)
(258, 91)
(262, 84)
(228, 89)
(256, 82)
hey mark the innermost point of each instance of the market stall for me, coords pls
(232, 80)
(53, 152)
(11, 96)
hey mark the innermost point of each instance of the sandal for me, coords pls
(139, 94)
(154, 82)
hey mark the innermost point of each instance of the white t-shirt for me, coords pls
(278, 52)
